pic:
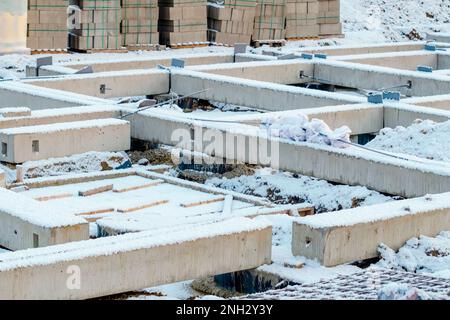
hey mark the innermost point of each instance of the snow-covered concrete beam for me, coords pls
(397, 60)
(355, 234)
(369, 77)
(109, 84)
(18, 94)
(59, 115)
(26, 223)
(281, 72)
(135, 260)
(367, 48)
(63, 139)
(257, 94)
(438, 101)
(353, 166)
(118, 63)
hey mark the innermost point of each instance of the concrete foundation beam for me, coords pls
(257, 94)
(17, 94)
(134, 261)
(281, 72)
(50, 116)
(398, 60)
(59, 140)
(438, 102)
(110, 84)
(360, 118)
(165, 59)
(368, 77)
(443, 60)
(26, 223)
(400, 114)
(367, 49)
(347, 166)
(439, 37)
(342, 237)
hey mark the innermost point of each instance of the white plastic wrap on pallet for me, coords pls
(13, 32)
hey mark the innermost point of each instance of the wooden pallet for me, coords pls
(328, 36)
(188, 45)
(146, 47)
(271, 43)
(122, 50)
(303, 38)
(49, 51)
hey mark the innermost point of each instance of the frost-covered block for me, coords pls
(63, 139)
(375, 98)
(307, 56)
(357, 233)
(320, 56)
(430, 47)
(391, 95)
(177, 63)
(424, 69)
(27, 223)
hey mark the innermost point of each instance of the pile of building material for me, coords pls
(47, 24)
(231, 21)
(182, 22)
(329, 17)
(96, 25)
(301, 18)
(139, 26)
(270, 16)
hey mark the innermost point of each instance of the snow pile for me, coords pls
(300, 129)
(284, 188)
(424, 139)
(13, 66)
(425, 255)
(397, 291)
(80, 163)
(396, 20)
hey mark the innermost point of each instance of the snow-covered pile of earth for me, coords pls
(424, 139)
(81, 163)
(396, 20)
(284, 187)
(300, 129)
(424, 255)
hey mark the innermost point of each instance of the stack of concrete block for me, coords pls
(329, 18)
(47, 24)
(97, 25)
(301, 18)
(231, 21)
(270, 16)
(182, 22)
(139, 24)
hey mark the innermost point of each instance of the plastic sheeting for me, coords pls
(299, 128)
(13, 29)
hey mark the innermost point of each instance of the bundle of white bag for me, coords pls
(300, 129)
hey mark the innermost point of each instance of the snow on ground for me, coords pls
(393, 20)
(285, 187)
(424, 139)
(426, 255)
